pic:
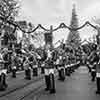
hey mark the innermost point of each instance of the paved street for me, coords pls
(19, 87)
(18, 82)
(39, 39)
(76, 87)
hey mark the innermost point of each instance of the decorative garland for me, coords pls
(62, 25)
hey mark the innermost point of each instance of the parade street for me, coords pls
(76, 87)
(49, 50)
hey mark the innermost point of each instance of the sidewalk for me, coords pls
(18, 82)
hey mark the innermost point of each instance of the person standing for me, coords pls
(61, 68)
(98, 73)
(6, 60)
(27, 69)
(93, 72)
(13, 65)
(49, 73)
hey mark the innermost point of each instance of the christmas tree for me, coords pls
(74, 37)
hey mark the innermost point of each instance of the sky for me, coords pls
(53, 12)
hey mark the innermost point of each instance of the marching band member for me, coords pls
(35, 67)
(14, 65)
(93, 71)
(67, 66)
(49, 73)
(93, 60)
(3, 84)
(61, 69)
(88, 65)
(3, 73)
(27, 69)
(98, 73)
(42, 67)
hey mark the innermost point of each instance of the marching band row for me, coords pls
(49, 63)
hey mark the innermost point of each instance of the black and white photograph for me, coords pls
(49, 49)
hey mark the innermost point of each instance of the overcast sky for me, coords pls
(54, 12)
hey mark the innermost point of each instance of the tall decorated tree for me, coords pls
(73, 39)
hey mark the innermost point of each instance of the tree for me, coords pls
(74, 37)
(9, 9)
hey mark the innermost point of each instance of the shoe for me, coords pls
(59, 78)
(93, 80)
(97, 92)
(52, 91)
(46, 89)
